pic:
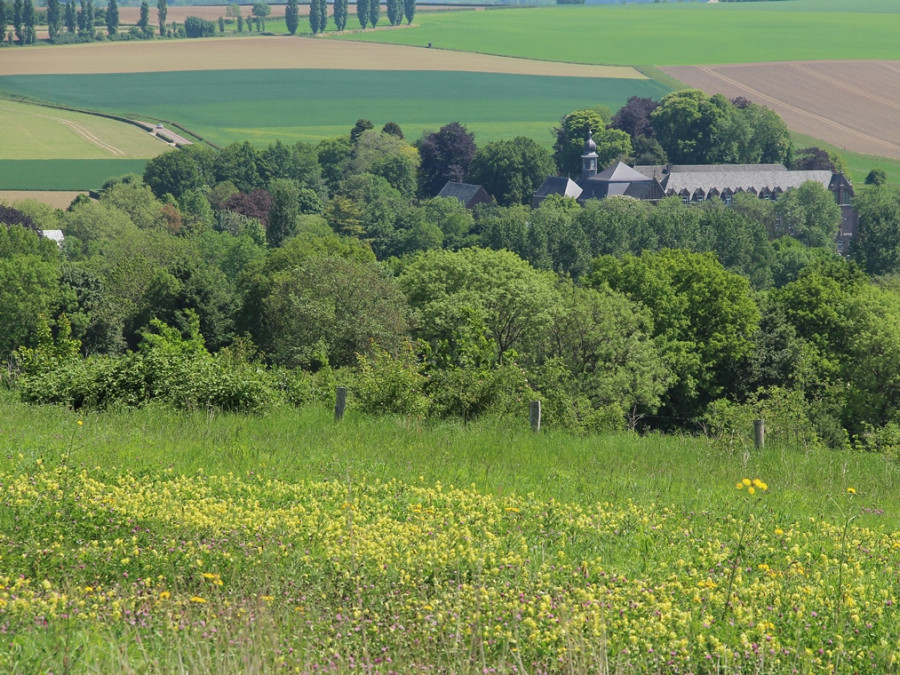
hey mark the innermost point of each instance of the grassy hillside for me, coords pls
(155, 542)
(227, 106)
(35, 132)
(666, 33)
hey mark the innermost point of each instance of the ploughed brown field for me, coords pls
(853, 105)
(236, 53)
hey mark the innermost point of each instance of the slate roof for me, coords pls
(558, 185)
(621, 173)
(735, 177)
(467, 193)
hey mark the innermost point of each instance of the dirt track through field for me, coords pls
(243, 53)
(86, 135)
(853, 105)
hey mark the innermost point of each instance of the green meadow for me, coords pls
(309, 105)
(859, 165)
(669, 33)
(157, 542)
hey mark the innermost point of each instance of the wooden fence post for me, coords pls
(534, 415)
(759, 433)
(340, 402)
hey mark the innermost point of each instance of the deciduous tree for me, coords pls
(53, 19)
(876, 246)
(340, 14)
(809, 213)
(512, 170)
(446, 155)
(292, 16)
(112, 17)
(161, 12)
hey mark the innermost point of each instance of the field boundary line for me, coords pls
(800, 111)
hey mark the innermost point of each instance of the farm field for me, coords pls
(281, 52)
(63, 174)
(36, 132)
(646, 34)
(58, 199)
(153, 541)
(312, 104)
(851, 104)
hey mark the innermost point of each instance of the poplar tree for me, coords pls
(340, 14)
(18, 14)
(374, 12)
(394, 12)
(70, 16)
(161, 11)
(313, 16)
(3, 20)
(323, 14)
(28, 18)
(292, 16)
(409, 9)
(362, 12)
(112, 17)
(53, 18)
(144, 21)
(89, 18)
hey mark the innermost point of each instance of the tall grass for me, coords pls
(495, 456)
(159, 542)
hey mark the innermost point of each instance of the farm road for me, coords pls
(853, 105)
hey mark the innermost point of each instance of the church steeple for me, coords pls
(589, 158)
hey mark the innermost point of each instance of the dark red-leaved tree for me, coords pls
(446, 155)
(634, 117)
(254, 204)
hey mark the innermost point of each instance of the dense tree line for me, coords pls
(247, 275)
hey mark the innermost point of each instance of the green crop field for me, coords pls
(264, 105)
(63, 174)
(666, 33)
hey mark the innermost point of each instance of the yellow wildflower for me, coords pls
(198, 599)
(851, 490)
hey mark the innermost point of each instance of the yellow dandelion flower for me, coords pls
(759, 484)
(751, 490)
(740, 486)
(747, 481)
(80, 423)
(779, 531)
(267, 598)
(198, 599)
(165, 595)
(851, 490)
(511, 509)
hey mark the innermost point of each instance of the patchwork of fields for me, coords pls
(546, 62)
(313, 104)
(668, 34)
